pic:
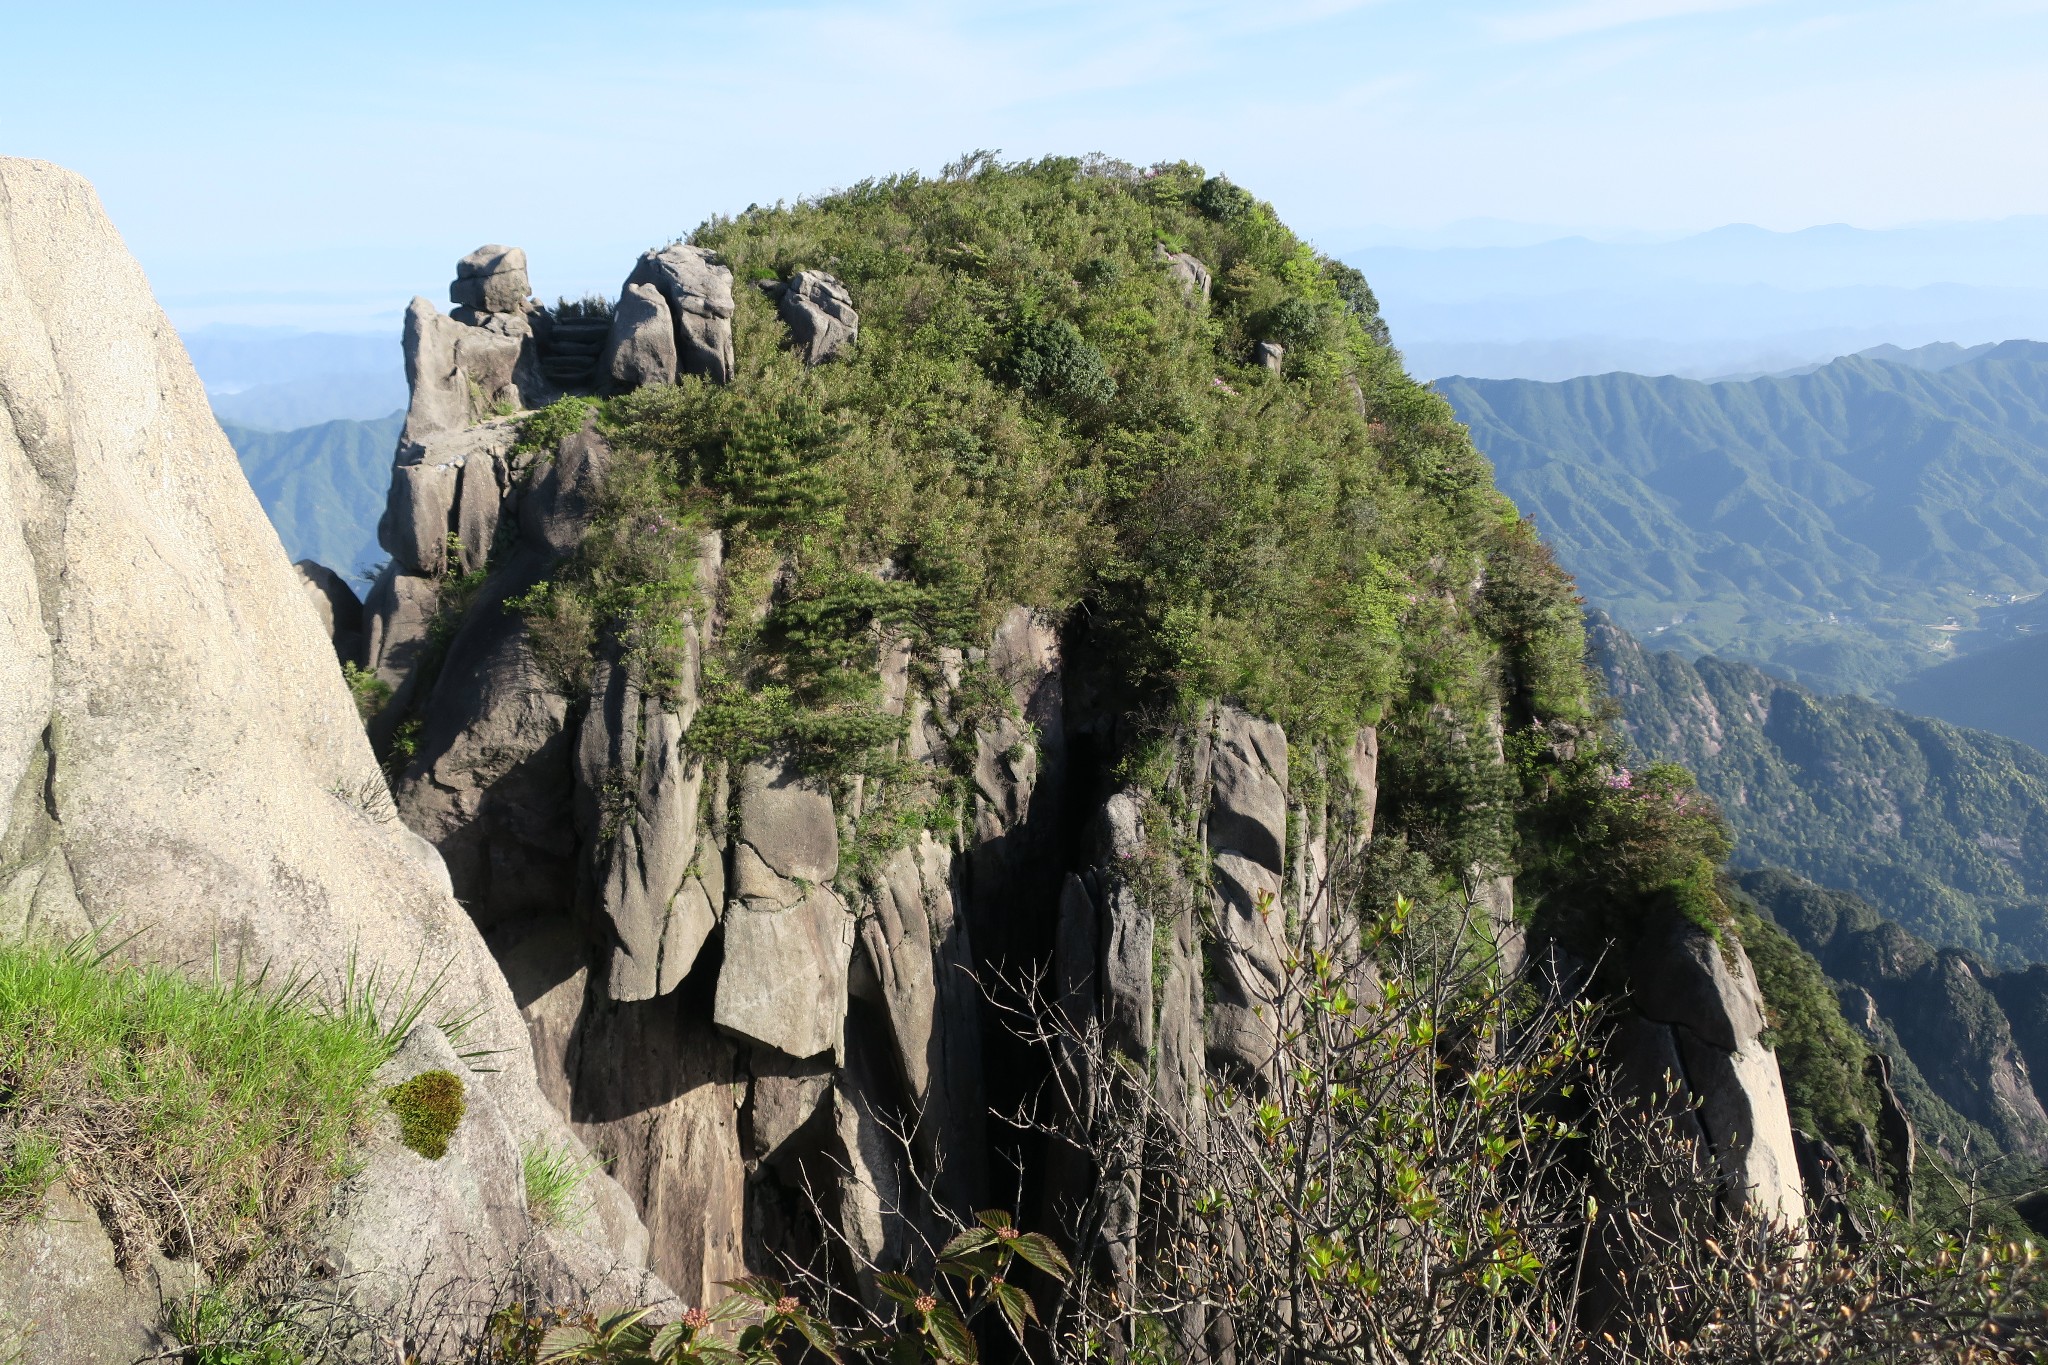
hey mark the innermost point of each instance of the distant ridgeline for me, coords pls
(1847, 526)
(322, 487)
(1941, 828)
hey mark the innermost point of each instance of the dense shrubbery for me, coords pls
(1037, 414)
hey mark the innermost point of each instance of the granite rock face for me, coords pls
(1189, 273)
(336, 604)
(185, 759)
(698, 290)
(641, 348)
(491, 279)
(1698, 998)
(820, 315)
(64, 1299)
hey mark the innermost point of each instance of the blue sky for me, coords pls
(319, 163)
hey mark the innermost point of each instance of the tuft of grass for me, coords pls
(220, 1331)
(28, 1166)
(430, 1107)
(554, 1176)
(206, 1117)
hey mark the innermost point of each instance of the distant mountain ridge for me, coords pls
(1738, 299)
(1847, 526)
(323, 487)
(281, 379)
(1943, 829)
(1934, 357)
(1968, 1045)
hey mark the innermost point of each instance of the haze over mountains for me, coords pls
(1501, 301)
(281, 379)
(1848, 526)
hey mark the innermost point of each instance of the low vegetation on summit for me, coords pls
(1041, 411)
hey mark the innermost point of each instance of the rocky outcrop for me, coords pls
(1191, 274)
(1246, 832)
(465, 367)
(698, 291)
(1898, 1146)
(641, 347)
(184, 759)
(65, 1299)
(491, 279)
(820, 315)
(1270, 356)
(1698, 1033)
(762, 1012)
(1942, 1009)
(336, 604)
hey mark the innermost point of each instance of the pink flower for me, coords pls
(1620, 779)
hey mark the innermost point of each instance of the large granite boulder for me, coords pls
(1189, 273)
(336, 604)
(461, 373)
(174, 729)
(698, 290)
(820, 315)
(1698, 995)
(641, 349)
(491, 279)
(788, 936)
(1246, 761)
(63, 1297)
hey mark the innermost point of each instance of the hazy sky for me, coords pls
(320, 163)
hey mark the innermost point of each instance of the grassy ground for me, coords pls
(204, 1116)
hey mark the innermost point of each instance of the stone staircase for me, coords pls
(569, 357)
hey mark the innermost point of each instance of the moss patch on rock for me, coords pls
(429, 1107)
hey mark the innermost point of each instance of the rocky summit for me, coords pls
(751, 1009)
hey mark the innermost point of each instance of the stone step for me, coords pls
(574, 345)
(568, 369)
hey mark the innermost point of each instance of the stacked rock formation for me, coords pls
(740, 1026)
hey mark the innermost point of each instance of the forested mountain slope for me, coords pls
(1944, 829)
(322, 486)
(1968, 1044)
(1830, 523)
(2003, 689)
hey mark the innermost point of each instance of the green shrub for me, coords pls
(1223, 201)
(549, 427)
(429, 1107)
(371, 692)
(1052, 359)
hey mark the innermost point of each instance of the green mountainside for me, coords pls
(1847, 526)
(2000, 689)
(1968, 1045)
(323, 487)
(1944, 830)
